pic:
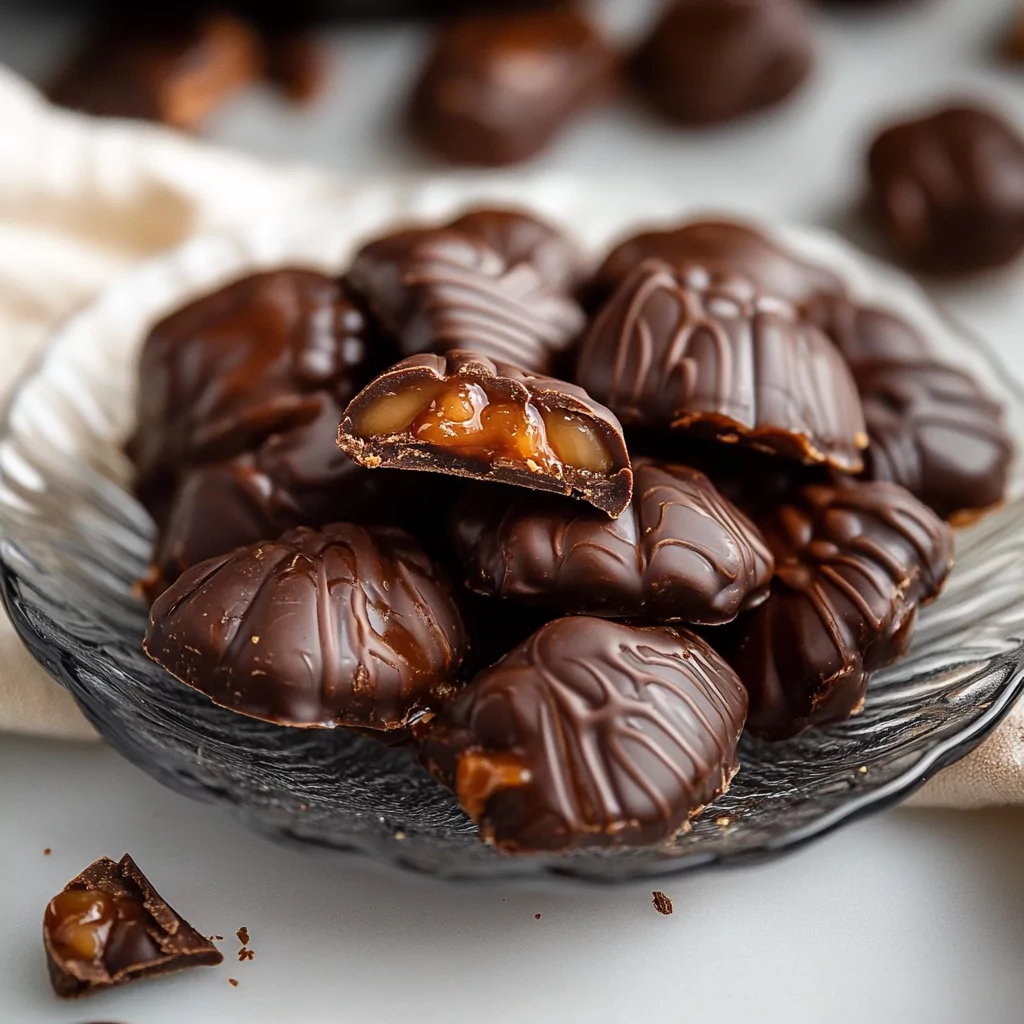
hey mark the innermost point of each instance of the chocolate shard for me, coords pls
(253, 359)
(497, 88)
(947, 189)
(437, 289)
(470, 416)
(109, 926)
(719, 246)
(711, 355)
(705, 62)
(174, 67)
(680, 553)
(852, 563)
(931, 427)
(647, 721)
(345, 626)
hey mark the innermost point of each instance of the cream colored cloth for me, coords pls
(82, 199)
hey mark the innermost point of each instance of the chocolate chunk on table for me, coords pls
(174, 68)
(852, 563)
(469, 416)
(708, 61)
(344, 626)
(437, 289)
(109, 926)
(256, 358)
(718, 246)
(497, 88)
(646, 721)
(948, 189)
(710, 354)
(681, 552)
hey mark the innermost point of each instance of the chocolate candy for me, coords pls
(931, 427)
(590, 733)
(852, 563)
(713, 60)
(681, 552)
(519, 237)
(718, 246)
(469, 416)
(711, 355)
(257, 358)
(948, 189)
(109, 926)
(434, 290)
(174, 68)
(344, 626)
(497, 88)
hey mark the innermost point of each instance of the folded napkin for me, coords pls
(80, 200)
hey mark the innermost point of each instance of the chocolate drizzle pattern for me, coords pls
(436, 290)
(852, 563)
(712, 355)
(344, 626)
(590, 733)
(681, 552)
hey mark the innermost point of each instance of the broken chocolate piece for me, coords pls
(711, 355)
(469, 416)
(852, 563)
(109, 926)
(590, 733)
(680, 553)
(344, 626)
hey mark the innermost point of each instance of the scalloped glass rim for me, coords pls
(73, 541)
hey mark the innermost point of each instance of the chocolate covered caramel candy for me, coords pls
(718, 246)
(712, 355)
(853, 562)
(438, 289)
(590, 733)
(342, 626)
(255, 358)
(680, 553)
(498, 87)
(470, 416)
(708, 61)
(948, 189)
(109, 926)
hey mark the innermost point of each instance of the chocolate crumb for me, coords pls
(536, 917)
(243, 935)
(232, 982)
(245, 954)
(216, 938)
(662, 903)
(47, 851)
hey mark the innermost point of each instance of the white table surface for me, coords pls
(910, 916)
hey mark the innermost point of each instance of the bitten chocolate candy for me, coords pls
(109, 926)
(590, 733)
(948, 189)
(681, 552)
(434, 290)
(256, 358)
(497, 88)
(931, 426)
(344, 626)
(466, 415)
(173, 68)
(852, 564)
(719, 246)
(710, 354)
(714, 60)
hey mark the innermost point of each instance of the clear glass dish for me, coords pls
(73, 542)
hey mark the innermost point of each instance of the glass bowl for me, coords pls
(73, 543)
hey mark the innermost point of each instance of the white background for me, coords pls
(911, 916)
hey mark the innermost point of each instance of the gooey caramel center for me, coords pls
(79, 921)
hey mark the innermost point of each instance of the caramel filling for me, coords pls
(480, 776)
(78, 922)
(463, 415)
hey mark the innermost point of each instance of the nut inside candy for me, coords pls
(469, 416)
